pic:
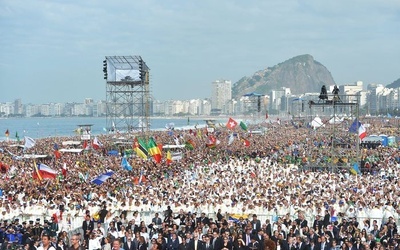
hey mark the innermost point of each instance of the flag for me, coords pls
(16, 136)
(125, 164)
(57, 153)
(189, 144)
(57, 216)
(362, 132)
(160, 147)
(212, 142)
(355, 169)
(44, 172)
(246, 142)
(7, 133)
(176, 140)
(140, 148)
(354, 126)
(36, 174)
(29, 142)
(96, 143)
(85, 145)
(154, 150)
(230, 140)
(243, 126)
(64, 170)
(231, 124)
(142, 178)
(357, 127)
(210, 145)
(82, 177)
(169, 158)
(266, 115)
(102, 178)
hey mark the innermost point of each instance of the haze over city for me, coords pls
(52, 51)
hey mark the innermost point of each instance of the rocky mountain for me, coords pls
(301, 74)
(394, 85)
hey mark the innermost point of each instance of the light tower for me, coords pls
(127, 94)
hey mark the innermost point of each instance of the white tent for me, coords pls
(317, 122)
(335, 120)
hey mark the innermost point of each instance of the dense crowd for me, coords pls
(279, 190)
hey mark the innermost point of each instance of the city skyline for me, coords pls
(53, 51)
(376, 99)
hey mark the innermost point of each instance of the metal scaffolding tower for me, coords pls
(127, 94)
(336, 114)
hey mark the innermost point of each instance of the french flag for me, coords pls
(102, 178)
(362, 132)
(46, 172)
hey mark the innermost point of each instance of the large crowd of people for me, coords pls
(284, 188)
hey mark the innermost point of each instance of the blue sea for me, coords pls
(51, 127)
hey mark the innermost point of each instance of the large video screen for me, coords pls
(127, 75)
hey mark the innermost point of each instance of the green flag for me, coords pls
(189, 144)
(16, 136)
(243, 126)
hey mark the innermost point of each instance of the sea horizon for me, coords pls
(44, 127)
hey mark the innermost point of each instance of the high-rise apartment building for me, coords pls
(221, 94)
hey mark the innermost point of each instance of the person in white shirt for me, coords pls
(94, 242)
(46, 243)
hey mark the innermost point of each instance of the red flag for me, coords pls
(246, 142)
(136, 180)
(85, 145)
(57, 154)
(231, 124)
(96, 143)
(266, 115)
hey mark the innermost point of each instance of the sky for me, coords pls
(53, 51)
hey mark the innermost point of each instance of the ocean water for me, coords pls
(50, 127)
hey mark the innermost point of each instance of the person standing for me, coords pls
(195, 243)
(116, 245)
(46, 243)
(87, 227)
(75, 243)
(255, 224)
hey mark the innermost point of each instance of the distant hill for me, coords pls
(394, 85)
(301, 74)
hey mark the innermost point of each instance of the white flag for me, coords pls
(29, 142)
(230, 140)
